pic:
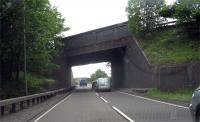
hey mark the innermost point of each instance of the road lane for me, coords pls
(82, 107)
(146, 111)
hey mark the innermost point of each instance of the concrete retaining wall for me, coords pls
(196, 74)
(139, 73)
(179, 76)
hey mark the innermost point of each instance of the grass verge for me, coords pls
(170, 46)
(183, 95)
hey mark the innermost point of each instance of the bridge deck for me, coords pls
(97, 40)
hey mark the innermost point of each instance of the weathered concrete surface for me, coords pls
(130, 66)
(138, 72)
(106, 34)
(186, 75)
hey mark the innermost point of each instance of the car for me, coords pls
(103, 84)
(195, 105)
(83, 82)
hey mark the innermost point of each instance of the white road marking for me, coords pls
(124, 115)
(104, 100)
(51, 109)
(155, 100)
(97, 94)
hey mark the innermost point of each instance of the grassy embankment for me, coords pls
(183, 95)
(171, 46)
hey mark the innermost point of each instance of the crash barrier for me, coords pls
(15, 104)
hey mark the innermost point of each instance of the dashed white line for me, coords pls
(97, 94)
(104, 100)
(155, 100)
(124, 115)
(51, 109)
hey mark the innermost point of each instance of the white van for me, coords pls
(103, 84)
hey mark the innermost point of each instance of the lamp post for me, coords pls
(24, 34)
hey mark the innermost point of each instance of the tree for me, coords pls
(11, 41)
(134, 17)
(98, 74)
(108, 65)
(183, 10)
(43, 25)
(143, 15)
(187, 13)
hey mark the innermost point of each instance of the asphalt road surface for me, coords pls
(146, 110)
(89, 106)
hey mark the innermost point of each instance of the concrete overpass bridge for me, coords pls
(130, 67)
(113, 44)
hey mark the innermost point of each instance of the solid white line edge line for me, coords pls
(155, 100)
(51, 108)
(104, 100)
(124, 115)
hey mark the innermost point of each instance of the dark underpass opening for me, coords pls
(85, 76)
(109, 61)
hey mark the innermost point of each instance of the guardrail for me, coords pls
(11, 105)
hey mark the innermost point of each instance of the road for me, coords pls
(89, 106)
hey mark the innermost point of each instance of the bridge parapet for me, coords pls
(105, 38)
(109, 33)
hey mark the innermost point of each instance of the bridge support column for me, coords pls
(63, 74)
(117, 66)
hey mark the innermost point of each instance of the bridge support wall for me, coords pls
(137, 72)
(63, 74)
(117, 67)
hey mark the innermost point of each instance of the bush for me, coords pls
(36, 83)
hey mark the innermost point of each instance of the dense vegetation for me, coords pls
(170, 45)
(38, 24)
(98, 74)
(144, 15)
(183, 11)
(165, 43)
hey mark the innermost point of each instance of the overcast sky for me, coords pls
(87, 70)
(85, 15)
